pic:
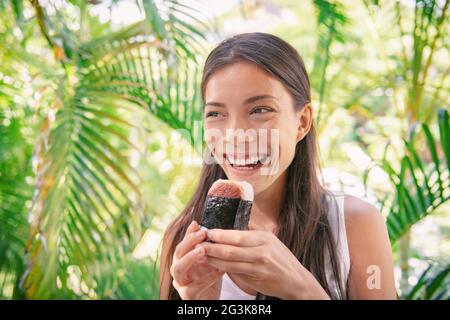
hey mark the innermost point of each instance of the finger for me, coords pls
(247, 238)
(194, 289)
(202, 261)
(232, 266)
(207, 280)
(188, 243)
(229, 253)
(199, 271)
(180, 268)
(192, 227)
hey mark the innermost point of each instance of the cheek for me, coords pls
(288, 143)
(212, 135)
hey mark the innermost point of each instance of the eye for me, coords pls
(214, 114)
(261, 109)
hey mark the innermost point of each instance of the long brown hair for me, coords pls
(303, 223)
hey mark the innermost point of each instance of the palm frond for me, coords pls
(425, 22)
(331, 21)
(137, 65)
(87, 210)
(15, 167)
(432, 284)
(14, 193)
(135, 273)
(422, 183)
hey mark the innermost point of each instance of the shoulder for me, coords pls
(357, 212)
(360, 212)
(364, 223)
(366, 230)
(369, 246)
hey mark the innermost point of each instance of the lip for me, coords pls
(243, 172)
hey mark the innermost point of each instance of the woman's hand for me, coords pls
(192, 277)
(261, 261)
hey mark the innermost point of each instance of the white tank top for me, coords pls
(230, 291)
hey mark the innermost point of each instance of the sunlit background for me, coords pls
(100, 130)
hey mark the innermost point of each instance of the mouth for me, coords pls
(246, 164)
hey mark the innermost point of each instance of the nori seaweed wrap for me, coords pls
(228, 205)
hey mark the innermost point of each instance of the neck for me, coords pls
(267, 206)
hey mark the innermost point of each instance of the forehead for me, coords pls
(242, 80)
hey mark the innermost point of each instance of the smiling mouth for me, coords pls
(247, 163)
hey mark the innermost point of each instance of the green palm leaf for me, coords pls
(87, 212)
(134, 274)
(422, 185)
(331, 21)
(15, 170)
(425, 23)
(14, 193)
(432, 284)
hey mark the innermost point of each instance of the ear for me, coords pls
(305, 118)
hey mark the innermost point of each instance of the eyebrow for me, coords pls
(247, 101)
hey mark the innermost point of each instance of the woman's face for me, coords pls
(251, 126)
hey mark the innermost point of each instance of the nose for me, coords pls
(239, 136)
(238, 128)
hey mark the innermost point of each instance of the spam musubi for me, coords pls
(228, 205)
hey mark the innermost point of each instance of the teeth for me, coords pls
(252, 160)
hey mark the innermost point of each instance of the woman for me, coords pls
(303, 242)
